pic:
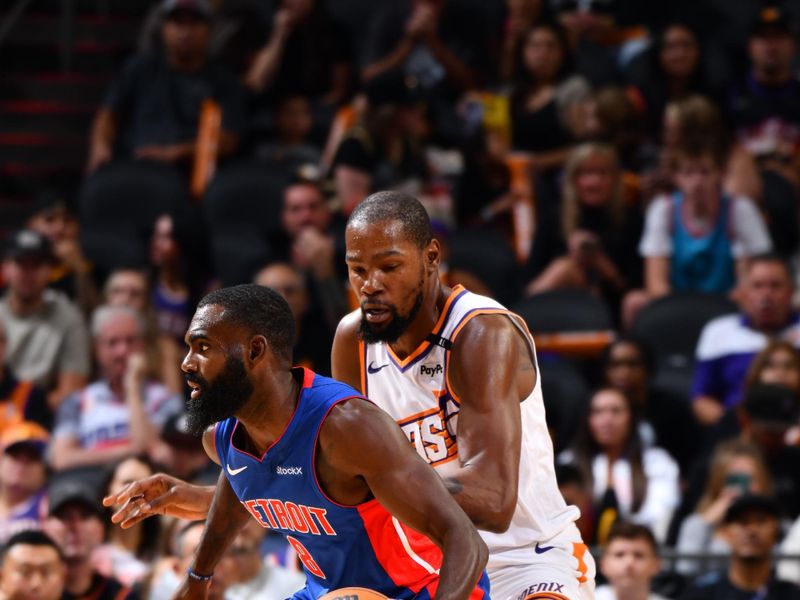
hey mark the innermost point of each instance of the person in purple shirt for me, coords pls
(728, 344)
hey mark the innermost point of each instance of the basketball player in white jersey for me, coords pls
(458, 373)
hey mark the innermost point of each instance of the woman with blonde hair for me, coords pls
(593, 246)
(737, 467)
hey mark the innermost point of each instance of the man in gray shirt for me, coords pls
(47, 338)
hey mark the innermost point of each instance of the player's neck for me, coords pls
(424, 322)
(268, 412)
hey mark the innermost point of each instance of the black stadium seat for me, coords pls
(564, 311)
(242, 210)
(670, 326)
(118, 206)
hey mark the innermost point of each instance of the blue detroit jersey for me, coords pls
(339, 546)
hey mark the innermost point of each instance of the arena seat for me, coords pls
(670, 326)
(118, 205)
(566, 397)
(242, 211)
(571, 322)
(488, 256)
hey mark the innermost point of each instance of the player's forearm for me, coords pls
(465, 555)
(226, 517)
(489, 507)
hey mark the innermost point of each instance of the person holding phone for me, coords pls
(737, 468)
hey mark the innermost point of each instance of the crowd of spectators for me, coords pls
(629, 152)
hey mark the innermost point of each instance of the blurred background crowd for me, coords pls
(623, 174)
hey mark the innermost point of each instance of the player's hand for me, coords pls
(159, 494)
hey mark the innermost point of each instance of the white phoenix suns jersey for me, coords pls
(416, 392)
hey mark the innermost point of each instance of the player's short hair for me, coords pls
(30, 537)
(395, 206)
(260, 310)
(626, 530)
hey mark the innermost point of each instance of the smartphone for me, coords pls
(739, 480)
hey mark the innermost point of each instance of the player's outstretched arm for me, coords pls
(162, 494)
(159, 494)
(226, 517)
(407, 487)
(490, 370)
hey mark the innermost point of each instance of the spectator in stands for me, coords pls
(628, 481)
(313, 336)
(291, 147)
(181, 454)
(130, 287)
(601, 44)
(127, 554)
(695, 119)
(170, 571)
(32, 567)
(122, 412)
(305, 54)
(19, 400)
(47, 342)
(22, 479)
(72, 274)
(383, 150)
(778, 363)
(728, 344)
(752, 527)
(254, 577)
(153, 108)
(629, 563)
(764, 107)
(670, 70)
(536, 125)
(171, 294)
(313, 242)
(698, 239)
(521, 16)
(664, 422)
(598, 231)
(436, 47)
(737, 468)
(763, 419)
(77, 523)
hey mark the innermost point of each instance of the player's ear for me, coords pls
(433, 254)
(257, 349)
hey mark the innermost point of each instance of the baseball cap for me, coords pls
(200, 8)
(770, 18)
(751, 502)
(176, 433)
(27, 433)
(71, 490)
(772, 404)
(27, 243)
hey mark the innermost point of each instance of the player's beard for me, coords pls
(396, 326)
(220, 399)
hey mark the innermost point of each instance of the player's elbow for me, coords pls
(496, 517)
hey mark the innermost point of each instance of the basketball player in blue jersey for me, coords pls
(309, 457)
(458, 373)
